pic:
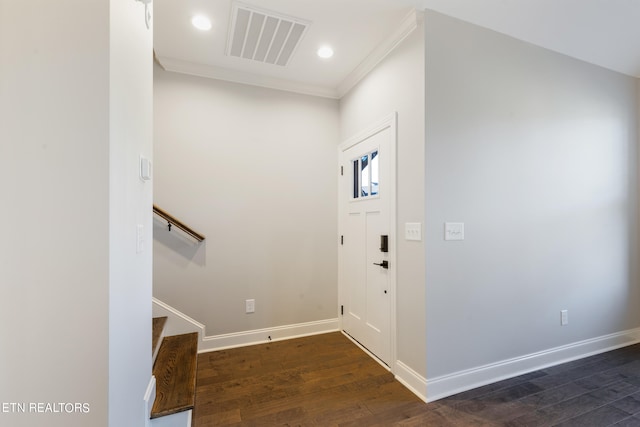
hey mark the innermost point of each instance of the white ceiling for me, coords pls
(602, 32)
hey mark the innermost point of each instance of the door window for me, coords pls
(366, 175)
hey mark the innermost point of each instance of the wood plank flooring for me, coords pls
(325, 380)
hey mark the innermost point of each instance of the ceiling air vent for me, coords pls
(263, 36)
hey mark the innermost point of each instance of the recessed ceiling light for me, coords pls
(201, 22)
(325, 52)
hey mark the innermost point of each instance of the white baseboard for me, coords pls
(261, 336)
(457, 382)
(180, 323)
(411, 380)
(428, 390)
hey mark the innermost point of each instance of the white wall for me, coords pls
(254, 170)
(54, 169)
(130, 272)
(537, 154)
(397, 85)
(62, 261)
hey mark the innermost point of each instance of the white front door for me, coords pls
(367, 228)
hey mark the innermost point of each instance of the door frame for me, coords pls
(388, 122)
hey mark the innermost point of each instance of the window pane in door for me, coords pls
(356, 178)
(375, 172)
(364, 175)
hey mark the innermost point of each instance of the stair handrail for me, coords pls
(173, 221)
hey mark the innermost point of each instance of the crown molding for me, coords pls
(406, 27)
(219, 73)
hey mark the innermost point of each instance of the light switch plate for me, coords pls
(145, 169)
(564, 317)
(454, 231)
(413, 231)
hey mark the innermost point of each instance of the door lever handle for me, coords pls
(383, 264)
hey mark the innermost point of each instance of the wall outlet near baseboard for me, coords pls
(564, 317)
(250, 306)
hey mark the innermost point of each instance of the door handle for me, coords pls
(383, 264)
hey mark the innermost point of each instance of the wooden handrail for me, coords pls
(173, 221)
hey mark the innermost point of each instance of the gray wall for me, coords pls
(397, 85)
(537, 154)
(254, 170)
(76, 299)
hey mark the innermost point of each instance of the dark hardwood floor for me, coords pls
(326, 380)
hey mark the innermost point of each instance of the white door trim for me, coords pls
(391, 122)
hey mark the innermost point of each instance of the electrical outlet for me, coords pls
(250, 306)
(564, 317)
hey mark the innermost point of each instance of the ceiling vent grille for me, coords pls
(263, 36)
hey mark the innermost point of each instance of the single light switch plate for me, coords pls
(145, 169)
(454, 231)
(413, 231)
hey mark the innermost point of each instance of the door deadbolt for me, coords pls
(383, 264)
(384, 243)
